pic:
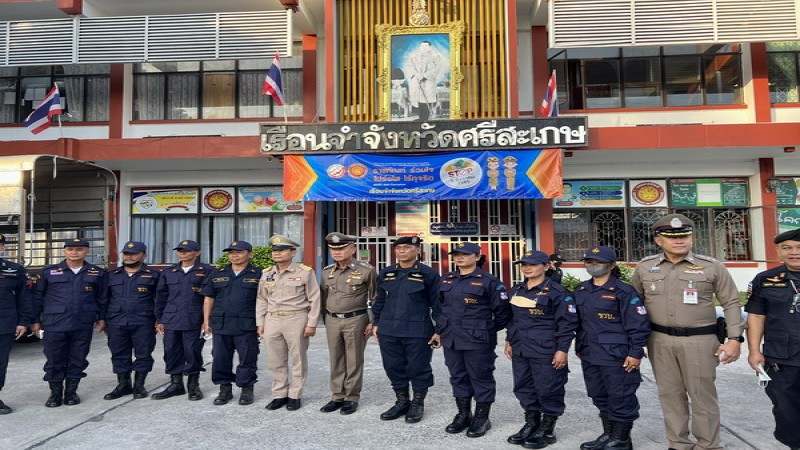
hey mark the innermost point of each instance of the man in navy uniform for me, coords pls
(179, 318)
(130, 320)
(69, 300)
(229, 312)
(405, 304)
(773, 315)
(474, 308)
(15, 311)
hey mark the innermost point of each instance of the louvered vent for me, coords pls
(616, 23)
(41, 42)
(111, 39)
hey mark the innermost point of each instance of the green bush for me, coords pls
(262, 258)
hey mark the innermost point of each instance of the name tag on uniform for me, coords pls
(690, 296)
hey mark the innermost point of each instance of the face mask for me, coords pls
(598, 270)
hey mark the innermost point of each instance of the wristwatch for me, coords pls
(738, 338)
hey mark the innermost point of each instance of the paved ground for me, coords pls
(178, 423)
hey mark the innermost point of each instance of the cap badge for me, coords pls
(76, 240)
(277, 240)
(595, 250)
(234, 243)
(529, 253)
(415, 239)
(130, 244)
(675, 223)
(335, 239)
(460, 244)
(185, 243)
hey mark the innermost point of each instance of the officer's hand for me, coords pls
(435, 341)
(36, 328)
(309, 331)
(206, 328)
(755, 358)
(260, 330)
(507, 350)
(160, 328)
(375, 333)
(631, 364)
(20, 331)
(559, 360)
(729, 351)
(368, 331)
(100, 325)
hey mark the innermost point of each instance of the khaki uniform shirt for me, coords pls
(349, 289)
(295, 289)
(662, 284)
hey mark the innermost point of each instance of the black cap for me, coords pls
(239, 245)
(76, 242)
(533, 257)
(188, 245)
(2, 239)
(602, 254)
(408, 240)
(134, 247)
(557, 257)
(469, 248)
(791, 235)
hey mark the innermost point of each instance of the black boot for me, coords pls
(601, 440)
(225, 394)
(56, 394)
(5, 409)
(71, 392)
(246, 396)
(123, 387)
(138, 385)
(417, 407)
(620, 436)
(193, 385)
(532, 420)
(462, 420)
(544, 435)
(480, 423)
(400, 407)
(174, 388)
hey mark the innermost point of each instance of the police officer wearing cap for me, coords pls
(542, 327)
(287, 315)
(69, 300)
(130, 320)
(347, 287)
(554, 271)
(613, 331)
(229, 314)
(16, 306)
(179, 318)
(474, 308)
(677, 287)
(773, 315)
(405, 308)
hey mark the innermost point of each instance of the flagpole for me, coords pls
(60, 129)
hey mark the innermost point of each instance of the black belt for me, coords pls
(348, 315)
(675, 331)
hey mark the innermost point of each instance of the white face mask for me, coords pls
(598, 270)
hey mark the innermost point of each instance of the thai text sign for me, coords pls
(434, 176)
(500, 134)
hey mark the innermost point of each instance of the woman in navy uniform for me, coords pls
(15, 311)
(613, 331)
(474, 308)
(539, 336)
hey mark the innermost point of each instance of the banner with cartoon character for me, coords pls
(532, 173)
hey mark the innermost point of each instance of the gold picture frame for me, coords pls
(419, 72)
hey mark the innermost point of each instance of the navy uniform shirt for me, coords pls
(474, 308)
(771, 296)
(16, 303)
(66, 301)
(179, 303)
(406, 301)
(131, 299)
(234, 311)
(613, 322)
(544, 320)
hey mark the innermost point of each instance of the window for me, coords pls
(213, 90)
(783, 66)
(84, 91)
(648, 77)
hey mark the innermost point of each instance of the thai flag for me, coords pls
(549, 106)
(39, 119)
(272, 82)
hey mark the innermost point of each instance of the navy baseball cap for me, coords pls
(533, 257)
(191, 246)
(239, 245)
(76, 242)
(134, 247)
(468, 248)
(602, 254)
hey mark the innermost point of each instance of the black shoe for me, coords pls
(332, 406)
(138, 385)
(71, 392)
(4, 409)
(532, 421)
(601, 440)
(56, 394)
(464, 417)
(417, 408)
(225, 394)
(480, 422)
(193, 386)
(123, 387)
(349, 407)
(175, 388)
(277, 403)
(293, 404)
(400, 407)
(246, 397)
(544, 435)
(620, 436)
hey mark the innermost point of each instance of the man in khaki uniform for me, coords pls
(677, 287)
(287, 311)
(347, 287)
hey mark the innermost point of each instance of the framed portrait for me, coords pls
(419, 72)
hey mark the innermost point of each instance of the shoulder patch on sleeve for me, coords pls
(635, 300)
(568, 299)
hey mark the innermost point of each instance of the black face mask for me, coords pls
(557, 264)
(132, 266)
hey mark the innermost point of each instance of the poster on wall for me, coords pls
(592, 194)
(218, 200)
(648, 193)
(412, 218)
(788, 193)
(262, 199)
(688, 193)
(164, 201)
(788, 219)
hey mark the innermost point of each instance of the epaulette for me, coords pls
(706, 258)
(648, 258)
(304, 267)
(365, 264)
(329, 266)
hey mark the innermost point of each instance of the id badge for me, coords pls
(690, 296)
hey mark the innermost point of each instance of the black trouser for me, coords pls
(126, 339)
(183, 352)
(784, 391)
(246, 345)
(66, 353)
(407, 359)
(6, 341)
